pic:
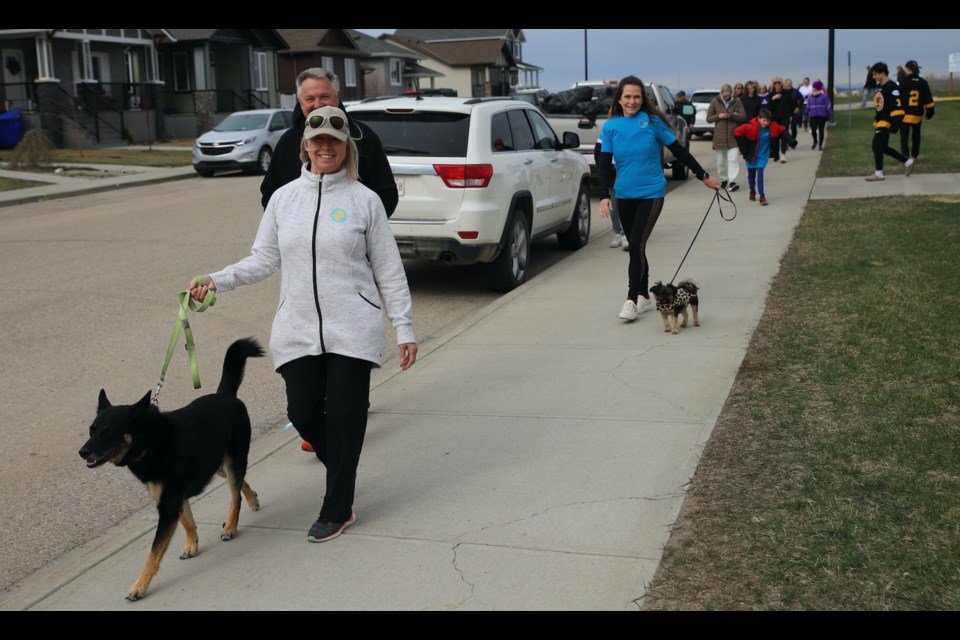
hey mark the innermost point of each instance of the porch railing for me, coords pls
(18, 96)
(229, 101)
(107, 102)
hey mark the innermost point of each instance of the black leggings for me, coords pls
(638, 218)
(905, 148)
(881, 145)
(817, 125)
(327, 401)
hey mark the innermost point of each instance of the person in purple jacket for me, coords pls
(818, 109)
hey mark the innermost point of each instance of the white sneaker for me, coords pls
(629, 311)
(646, 304)
(625, 245)
(618, 240)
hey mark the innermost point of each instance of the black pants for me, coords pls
(817, 126)
(638, 217)
(785, 123)
(881, 146)
(327, 400)
(905, 148)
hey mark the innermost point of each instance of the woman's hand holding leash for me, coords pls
(408, 355)
(712, 182)
(199, 292)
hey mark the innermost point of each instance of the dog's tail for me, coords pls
(234, 363)
(689, 285)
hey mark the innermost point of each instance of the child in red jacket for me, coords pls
(759, 140)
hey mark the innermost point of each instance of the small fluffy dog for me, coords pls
(672, 301)
(177, 453)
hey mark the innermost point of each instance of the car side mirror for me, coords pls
(571, 140)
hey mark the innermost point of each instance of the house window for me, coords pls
(517, 51)
(328, 64)
(181, 71)
(396, 71)
(260, 70)
(350, 72)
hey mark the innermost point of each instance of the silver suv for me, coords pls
(243, 140)
(479, 179)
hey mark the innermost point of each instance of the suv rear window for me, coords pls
(704, 96)
(424, 133)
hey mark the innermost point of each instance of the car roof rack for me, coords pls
(486, 99)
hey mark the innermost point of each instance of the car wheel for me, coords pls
(578, 233)
(263, 160)
(509, 269)
(204, 173)
(680, 171)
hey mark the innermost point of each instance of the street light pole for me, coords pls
(830, 84)
(586, 76)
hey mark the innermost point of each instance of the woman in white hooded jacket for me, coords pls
(330, 235)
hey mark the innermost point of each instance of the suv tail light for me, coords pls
(465, 176)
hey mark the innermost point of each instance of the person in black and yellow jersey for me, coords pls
(917, 101)
(887, 120)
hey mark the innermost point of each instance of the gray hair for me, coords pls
(318, 73)
(726, 87)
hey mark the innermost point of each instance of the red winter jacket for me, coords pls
(748, 134)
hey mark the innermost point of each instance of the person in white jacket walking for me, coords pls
(330, 235)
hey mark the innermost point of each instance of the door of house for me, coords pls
(15, 77)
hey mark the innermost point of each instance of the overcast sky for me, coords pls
(693, 58)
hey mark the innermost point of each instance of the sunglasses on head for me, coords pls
(336, 122)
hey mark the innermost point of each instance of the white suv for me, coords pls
(479, 179)
(701, 99)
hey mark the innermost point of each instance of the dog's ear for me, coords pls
(140, 409)
(102, 402)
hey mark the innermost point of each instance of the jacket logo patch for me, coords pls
(338, 215)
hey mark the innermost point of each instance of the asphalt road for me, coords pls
(89, 288)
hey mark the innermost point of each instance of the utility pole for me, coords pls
(586, 75)
(830, 84)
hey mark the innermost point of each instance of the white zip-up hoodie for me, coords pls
(339, 256)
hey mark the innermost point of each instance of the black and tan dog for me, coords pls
(177, 453)
(673, 300)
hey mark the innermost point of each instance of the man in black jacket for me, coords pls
(917, 99)
(886, 120)
(317, 88)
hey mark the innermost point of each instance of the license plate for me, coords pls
(399, 187)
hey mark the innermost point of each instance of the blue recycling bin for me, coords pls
(11, 129)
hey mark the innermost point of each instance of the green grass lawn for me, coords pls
(9, 184)
(155, 158)
(849, 143)
(831, 480)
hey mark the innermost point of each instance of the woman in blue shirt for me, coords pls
(633, 136)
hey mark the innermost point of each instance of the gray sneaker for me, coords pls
(618, 240)
(323, 530)
(875, 178)
(629, 310)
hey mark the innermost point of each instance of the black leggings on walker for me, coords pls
(327, 401)
(638, 217)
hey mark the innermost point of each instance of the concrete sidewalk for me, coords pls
(534, 458)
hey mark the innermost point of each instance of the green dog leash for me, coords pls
(182, 323)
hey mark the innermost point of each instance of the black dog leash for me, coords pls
(718, 199)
